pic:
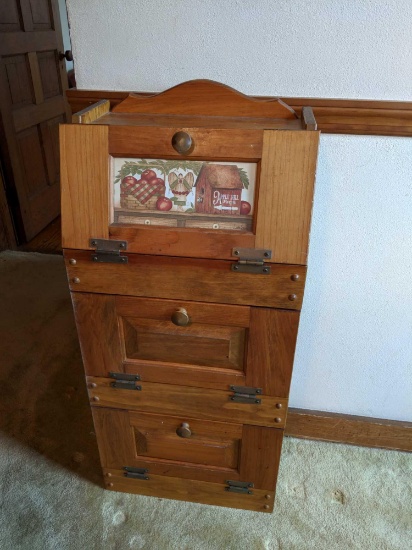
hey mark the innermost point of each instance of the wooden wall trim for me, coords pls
(352, 430)
(334, 116)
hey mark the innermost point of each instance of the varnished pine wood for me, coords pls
(206, 98)
(195, 402)
(271, 349)
(84, 184)
(335, 116)
(209, 144)
(170, 278)
(349, 429)
(286, 187)
(92, 113)
(190, 491)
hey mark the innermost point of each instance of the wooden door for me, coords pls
(33, 81)
(209, 451)
(222, 345)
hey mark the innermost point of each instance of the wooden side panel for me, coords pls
(98, 331)
(84, 184)
(194, 402)
(260, 456)
(189, 490)
(177, 278)
(92, 113)
(272, 340)
(115, 437)
(286, 187)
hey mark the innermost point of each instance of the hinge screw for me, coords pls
(122, 245)
(235, 267)
(266, 254)
(76, 280)
(266, 506)
(124, 258)
(265, 270)
(95, 398)
(94, 258)
(110, 484)
(278, 405)
(292, 297)
(277, 420)
(236, 252)
(295, 277)
(93, 243)
(93, 385)
(266, 496)
(72, 261)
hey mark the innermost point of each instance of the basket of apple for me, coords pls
(143, 193)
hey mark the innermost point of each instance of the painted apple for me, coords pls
(164, 204)
(245, 208)
(129, 180)
(149, 175)
(157, 181)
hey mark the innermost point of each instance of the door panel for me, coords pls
(32, 85)
(222, 344)
(215, 451)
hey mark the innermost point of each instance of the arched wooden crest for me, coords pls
(205, 98)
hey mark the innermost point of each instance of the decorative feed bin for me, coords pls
(185, 220)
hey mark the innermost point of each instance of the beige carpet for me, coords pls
(329, 496)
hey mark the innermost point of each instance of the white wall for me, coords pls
(354, 351)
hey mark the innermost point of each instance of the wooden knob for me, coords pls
(184, 430)
(180, 317)
(182, 142)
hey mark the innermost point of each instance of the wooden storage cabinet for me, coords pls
(185, 230)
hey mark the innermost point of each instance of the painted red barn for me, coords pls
(218, 190)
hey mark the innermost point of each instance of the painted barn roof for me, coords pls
(220, 176)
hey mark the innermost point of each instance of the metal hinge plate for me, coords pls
(243, 394)
(243, 487)
(136, 473)
(125, 381)
(251, 260)
(108, 251)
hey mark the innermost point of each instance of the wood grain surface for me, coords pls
(91, 113)
(194, 402)
(189, 490)
(287, 181)
(349, 429)
(206, 98)
(84, 184)
(333, 116)
(176, 278)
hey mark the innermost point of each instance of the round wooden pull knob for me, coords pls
(180, 317)
(184, 430)
(182, 142)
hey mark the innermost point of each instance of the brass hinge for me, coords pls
(108, 251)
(242, 394)
(125, 381)
(243, 487)
(136, 473)
(251, 260)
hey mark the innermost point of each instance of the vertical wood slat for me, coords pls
(260, 456)
(36, 78)
(286, 189)
(114, 437)
(98, 331)
(85, 194)
(271, 349)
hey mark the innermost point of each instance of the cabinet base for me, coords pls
(189, 490)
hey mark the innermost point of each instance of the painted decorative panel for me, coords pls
(189, 193)
(49, 73)
(10, 16)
